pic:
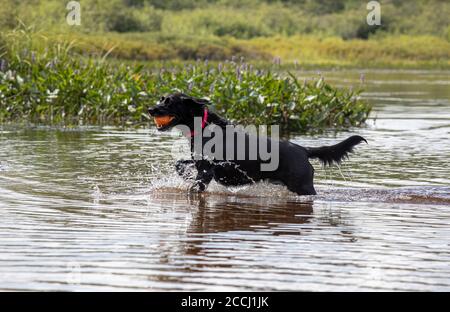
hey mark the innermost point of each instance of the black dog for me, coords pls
(294, 169)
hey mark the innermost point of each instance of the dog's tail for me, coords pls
(335, 153)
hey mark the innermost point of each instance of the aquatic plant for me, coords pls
(56, 85)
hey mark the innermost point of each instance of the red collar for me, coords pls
(204, 120)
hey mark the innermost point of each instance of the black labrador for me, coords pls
(294, 169)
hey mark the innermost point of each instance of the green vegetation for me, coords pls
(126, 53)
(413, 33)
(55, 85)
(306, 51)
(236, 18)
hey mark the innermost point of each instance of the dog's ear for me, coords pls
(196, 101)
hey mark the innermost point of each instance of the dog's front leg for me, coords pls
(185, 169)
(204, 176)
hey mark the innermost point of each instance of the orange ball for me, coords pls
(161, 121)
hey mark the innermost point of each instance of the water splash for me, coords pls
(327, 193)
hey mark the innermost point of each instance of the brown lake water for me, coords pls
(103, 209)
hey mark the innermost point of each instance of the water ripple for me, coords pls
(102, 208)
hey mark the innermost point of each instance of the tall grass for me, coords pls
(54, 84)
(385, 51)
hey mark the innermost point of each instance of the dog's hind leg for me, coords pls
(302, 189)
(301, 181)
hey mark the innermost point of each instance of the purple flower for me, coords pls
(362, 78)
(50, 65)
(277, 60)
(3, 65)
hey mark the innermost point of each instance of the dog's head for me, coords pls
(177, 109)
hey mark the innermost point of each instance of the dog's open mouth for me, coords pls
(163, 121)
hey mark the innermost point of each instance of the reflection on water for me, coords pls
(101, 209)
(223, 212)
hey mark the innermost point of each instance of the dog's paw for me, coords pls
(197, 187)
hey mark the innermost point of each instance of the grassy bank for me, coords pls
(55, 84)
(412, 34)
(240, 19)
(306, 51)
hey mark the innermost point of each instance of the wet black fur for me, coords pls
(294, 170)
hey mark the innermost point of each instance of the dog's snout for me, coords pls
(152, 111)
